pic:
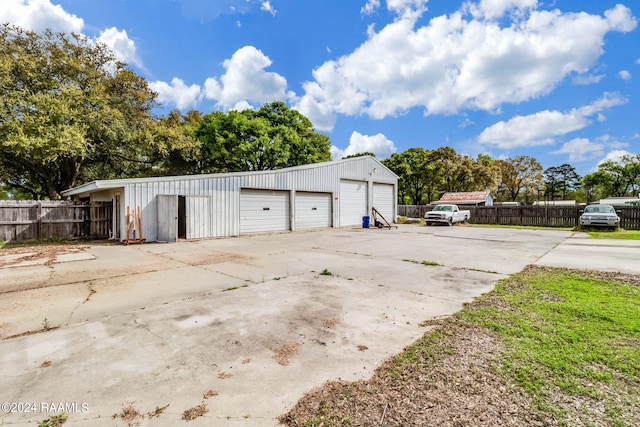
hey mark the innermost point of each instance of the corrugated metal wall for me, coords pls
(224, 190)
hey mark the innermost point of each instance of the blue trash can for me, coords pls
(365, 222)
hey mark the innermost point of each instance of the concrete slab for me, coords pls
(251, 319)
(595, 254)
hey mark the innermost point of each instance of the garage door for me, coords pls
(353, 202)
(264, 210)
(313, 210)
(383, 200)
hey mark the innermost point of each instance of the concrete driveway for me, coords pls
(243, 326)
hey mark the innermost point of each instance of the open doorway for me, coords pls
(182, 217)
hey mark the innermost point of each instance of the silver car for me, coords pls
(600, 216)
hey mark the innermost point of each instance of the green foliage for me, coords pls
(71, 112)
(271, 138)
(54, 421)
(613, 179)
(426, 174)
(521, 179)
(326, 272)
(564, 331)
(617, 234)
(559, 181)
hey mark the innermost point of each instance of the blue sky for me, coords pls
(556, 80)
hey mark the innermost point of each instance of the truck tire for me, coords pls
(464, 221)
(450, 222)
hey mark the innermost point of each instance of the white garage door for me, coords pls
(264, 210)
(313, 210)
(353, 202)
(383, 201)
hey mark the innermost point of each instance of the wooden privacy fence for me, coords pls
(28, 220)
(543, 216)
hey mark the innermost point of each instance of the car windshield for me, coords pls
(599, 209)
(446, 208)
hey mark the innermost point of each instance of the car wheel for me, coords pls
(450, 222)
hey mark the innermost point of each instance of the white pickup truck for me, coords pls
(446, 214)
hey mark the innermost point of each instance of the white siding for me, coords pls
(264, 210)
(313, 210)
(224, 192)
(353, 202)
(383, 201)
(198, 217)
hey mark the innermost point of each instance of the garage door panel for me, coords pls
(264, 210)
(313, 210)
(383, 200)
(353, 202)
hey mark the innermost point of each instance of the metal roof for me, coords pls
(119, 183)
(466, 197)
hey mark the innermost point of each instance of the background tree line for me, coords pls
(425, 175)
(71, 113)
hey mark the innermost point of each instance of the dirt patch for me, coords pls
(18, 254)
(218, 258)
(456, 385)
(285, 353)
(129, 415)
(195, 412)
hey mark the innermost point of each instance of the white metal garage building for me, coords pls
(330, 194)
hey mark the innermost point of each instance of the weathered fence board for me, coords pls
(543, 216)
(29, 220)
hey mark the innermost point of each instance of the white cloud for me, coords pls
(492, 9)
(542, 127)
(246, 81)
(177, 93)
(370, 7)
(459, 61)
(624, 75)
(119, 42)
(377, 144)
(37, 15)
(580, 149)
(267, 7)
(587, 79)
(615, 156)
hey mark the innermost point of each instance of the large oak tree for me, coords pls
(70, 111)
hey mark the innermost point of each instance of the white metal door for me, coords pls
(198, 217)
(383, 201)
(313, 210)
(353, 202)
(264, 210)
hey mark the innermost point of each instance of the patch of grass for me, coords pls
(620, 234)
(54, 421)
(547, 346)
(564, 332)
(46, 325)
(326, 272)
(49, 241)
(427, 263)
(405, 220)
(158, 411)
(129, 415)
